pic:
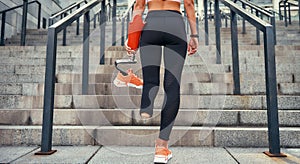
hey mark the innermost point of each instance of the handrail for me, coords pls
(67, 9)
(62, 9)
(49, 88)
(270, 68)
(288, 3)
(24, 21)
(63, 13)
(259, 11)
(256, 7)
(3, 11)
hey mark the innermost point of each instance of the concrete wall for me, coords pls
(14, 17)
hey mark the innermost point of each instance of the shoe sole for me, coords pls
(119, 83)
(134, 86)
(162, 159)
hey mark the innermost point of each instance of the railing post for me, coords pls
(206, 22)
(102, 31)
(289, 9)
(95, 21)
(271, 92)
(85, 53)
(127, 24)
(77, 25)
(210, 11)
(114, 19)
(273, 22)
(2, 42)
(24, 22)
(244, 22)
(65, 34)
(217, 29)
(123, 32)
(39, 15)
(49, 88)
(226, 21)
(257, 31)
(299, 12)
(285, 14)
(235, 53)
(280, 13)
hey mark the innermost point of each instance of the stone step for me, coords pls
(70, 49)
(281, 40)
(64, 75)
(36, 89)
(96, 68)
(145, 136)
(31, 67)
(204, 52)
(248, 57)
(225, 32)
(187, 88)
(72, 38)
(189, 77)
(131, 117)
(118, 101)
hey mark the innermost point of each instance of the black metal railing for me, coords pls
(24, 21)
(270, 68)
(286, 5)
(63, 13)
(49, 89)
(206, 22)
(259, 12)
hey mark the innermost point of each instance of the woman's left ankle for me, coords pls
(161, 143)
(145, 115)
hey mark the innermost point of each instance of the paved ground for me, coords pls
(144, 155)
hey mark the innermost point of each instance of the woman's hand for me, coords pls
(130, 52)
(193, 46)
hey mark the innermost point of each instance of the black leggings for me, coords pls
(167, 29)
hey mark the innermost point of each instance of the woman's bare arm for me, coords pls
(139, 7)
(190, 12)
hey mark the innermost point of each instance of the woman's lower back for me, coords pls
(163, 5)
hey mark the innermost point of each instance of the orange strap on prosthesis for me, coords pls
(134, 32)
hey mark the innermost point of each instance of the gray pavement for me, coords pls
(144, 155)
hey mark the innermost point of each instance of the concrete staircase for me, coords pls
(210, 115)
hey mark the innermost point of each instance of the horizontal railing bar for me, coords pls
(18, 6)
(62, 9)
(66, 21)
(66, 9)
(266, 13)
(254, 20)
